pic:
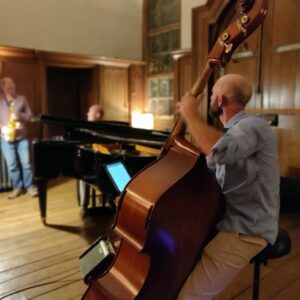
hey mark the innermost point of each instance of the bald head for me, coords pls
(236, 88)
(95, 113)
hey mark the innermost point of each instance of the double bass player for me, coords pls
(245, 163)
(245, 166)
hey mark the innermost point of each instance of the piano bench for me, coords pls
(281, 247)
(93, 196)
(85, 194)
(88, 195)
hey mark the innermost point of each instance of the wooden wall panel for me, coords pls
(271, 91)
(137, 88)
(88, 90)
(247, 67)
(274, 67)
(246, 57)
(284, 86)
(297, 80)
(282, 79)
(289, 144)
(202, 17)
(186, 82)
(286, 22)
(182, 66)
(114, 93)
(282, 50)
(98, 80)
(25, 73)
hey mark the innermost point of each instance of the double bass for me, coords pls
(168, 211)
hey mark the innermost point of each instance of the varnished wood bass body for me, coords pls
(161, 226)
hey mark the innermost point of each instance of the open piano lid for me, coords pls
(109, 131)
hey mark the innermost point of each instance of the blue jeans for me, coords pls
(17, 158)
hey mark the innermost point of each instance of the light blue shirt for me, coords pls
(245, 162)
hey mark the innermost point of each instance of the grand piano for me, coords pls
(70, 154)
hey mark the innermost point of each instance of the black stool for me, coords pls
(281, 247)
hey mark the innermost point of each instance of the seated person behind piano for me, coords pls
(95, 113)
(245, 163)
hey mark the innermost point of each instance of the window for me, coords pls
(163, 31)
(160, 47)
(160, 95)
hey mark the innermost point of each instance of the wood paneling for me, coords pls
(114, 93)
(286, 22)
(246, 60)
(182, 65)
(282, 78)
(281, 57)
(289, 145)
(116, 84)
(137, 88)
(88, 90)
(202, 18)
(270, 59)
(24, 70)
(247, 67)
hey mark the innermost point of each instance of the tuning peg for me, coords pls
(228, 47)
(225, 36)
(244, 19)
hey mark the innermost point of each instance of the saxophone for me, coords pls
(9, 131)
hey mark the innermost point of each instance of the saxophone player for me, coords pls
(14, 115)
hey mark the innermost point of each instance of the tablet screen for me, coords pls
(119, 175)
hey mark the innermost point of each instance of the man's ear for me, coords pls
(222, 101)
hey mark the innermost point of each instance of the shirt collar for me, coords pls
(235, 119)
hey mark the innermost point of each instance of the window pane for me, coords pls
(160, 96)
(153, 88)
(163, 12)
(160, 47)
(166, 107)
(163, 90)
(163, 42)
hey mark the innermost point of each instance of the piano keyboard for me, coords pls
(5, 183)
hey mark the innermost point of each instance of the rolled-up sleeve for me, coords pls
(238, 143)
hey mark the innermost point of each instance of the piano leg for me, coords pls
(83, 196)
(42, 189)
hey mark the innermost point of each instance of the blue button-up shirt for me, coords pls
(245, 162)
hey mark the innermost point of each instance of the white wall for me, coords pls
(111, 28)
(186, 21)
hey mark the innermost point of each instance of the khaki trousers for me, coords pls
(222, 259)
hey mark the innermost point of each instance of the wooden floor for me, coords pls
(41, 262)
